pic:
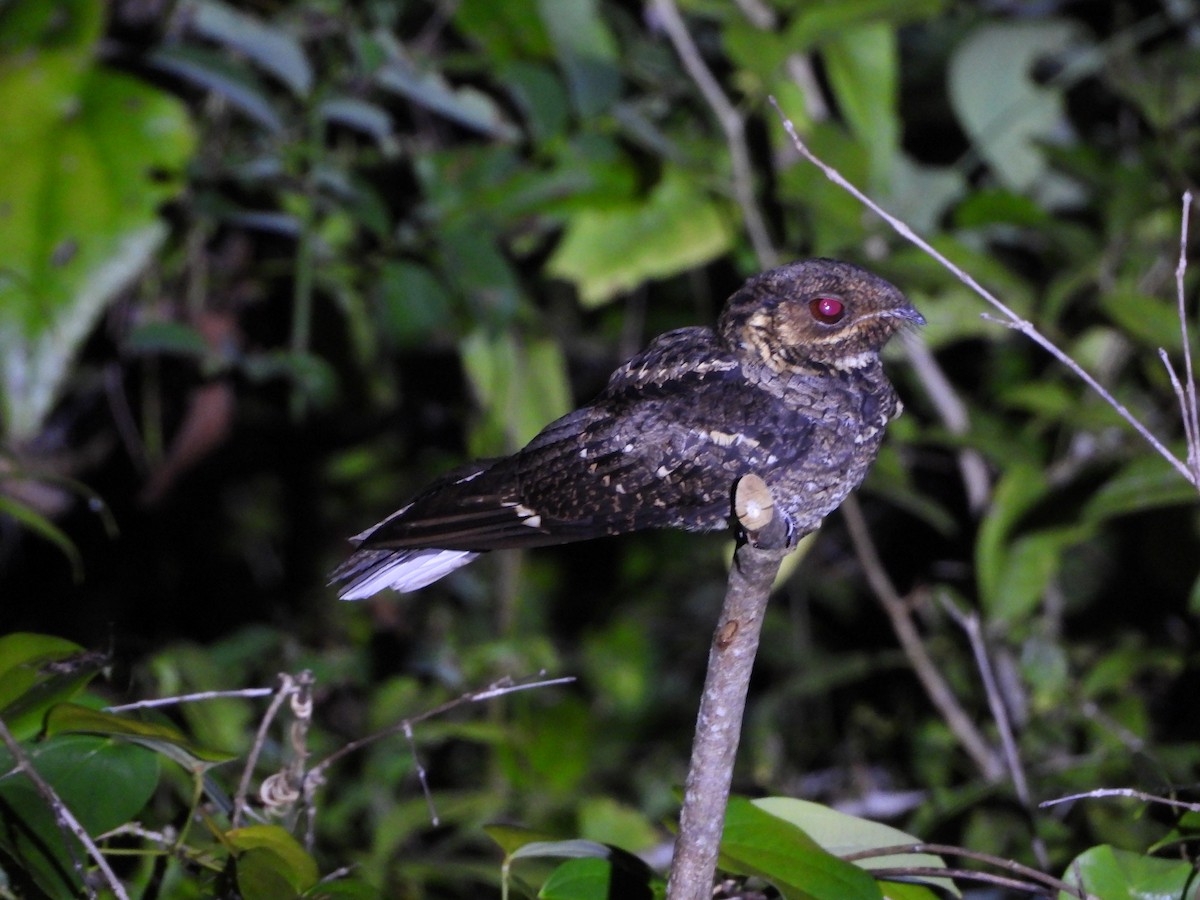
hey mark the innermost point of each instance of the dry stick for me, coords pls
(969, 622)
(192, 698)
(64, 818)
(287, 686)
(900, 615)
(731, 123)
(730, 661)
(999, 862)
(1011, 319)
(1132, 793)
(1187, 403)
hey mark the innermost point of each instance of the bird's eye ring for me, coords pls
(827, 310)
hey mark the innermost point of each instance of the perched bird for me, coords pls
(789, 386)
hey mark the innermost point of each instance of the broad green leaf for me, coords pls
(520, 387)
(214, 72)
(1113, 874)
(104, 783)
(1147, 482)
(271, 848)
(607, 251)
(863, 68)
(995, 97)
(38, 671)
(512, 838)
(587, 53)
(756, 842)
(467, 106)
(597, 879)
(506, 31)
(369, 118)
(1154, 321)
(1021, 487)
(843, 834)
(1024, 571)
(70, 718)
(270, 48)
(817, 22)
(89, 155)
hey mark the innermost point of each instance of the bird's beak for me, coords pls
(909, 313)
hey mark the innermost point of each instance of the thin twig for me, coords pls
(287, 686)
(899, 614)
(922, 872)
(422, 775)
(316, 774)
(731, 122)
(730, 662)
(64, 818)
(1191, 414)
(969, 622)
(1132, 793)
(999, 862)
(1012, 320)
(191, 698)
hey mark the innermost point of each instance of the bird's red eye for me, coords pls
(828, 310)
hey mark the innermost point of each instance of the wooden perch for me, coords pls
(730, 661)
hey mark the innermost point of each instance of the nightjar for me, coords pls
(789, 386)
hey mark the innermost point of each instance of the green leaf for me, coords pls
(1003, 110)
(270, 48)
(38, 671)
(756, 842)
(104, 783)
(843, 834)
(520, 387)
(587, 53)
(266, 853)
(211, 71)
(1113, 874)
(595, 879)
(607, 251)
(817, 22)
(863, 65)
(1017, 491)
(88, 156)
(44, 528)
(70, 718)
(1148, 482)
(467, 106)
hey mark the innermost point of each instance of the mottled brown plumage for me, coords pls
(789, 386)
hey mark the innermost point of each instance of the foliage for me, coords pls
(267, 268)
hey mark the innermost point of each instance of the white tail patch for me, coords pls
(406, 570)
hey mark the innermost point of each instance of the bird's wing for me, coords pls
(661, 447)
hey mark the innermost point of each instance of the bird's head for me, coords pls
(815, 314)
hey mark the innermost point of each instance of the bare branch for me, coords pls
(1132, 793)
(191, 698)
(731, 123)
(999, 862)
(969, 622)
(900, 615)
(730, 661)
(1013, 320)
(287, 686)
(1188, 408)
(64, 818)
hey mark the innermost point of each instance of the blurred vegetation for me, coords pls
(266, 268)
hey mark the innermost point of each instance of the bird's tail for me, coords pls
(369, 571)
